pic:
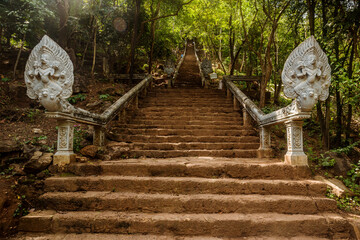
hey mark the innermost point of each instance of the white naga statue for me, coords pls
(49, 76)
(307, 75)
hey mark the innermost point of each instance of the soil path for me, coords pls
(189, 74)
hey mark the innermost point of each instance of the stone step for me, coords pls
(182, 126)
(205, 167)
(185, 122)
(215, 225)
(183, 146)
(196, 117)
(158, 103)
(188, 109)
(195, 203)
(127, 153)
(182, 132)
(174, 139)
(185, 185)
(167, 114)
(104, 236)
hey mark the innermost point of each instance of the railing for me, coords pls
(291, 115)
(202, 75)
(66, 120)
(171, 82)
(306, 78)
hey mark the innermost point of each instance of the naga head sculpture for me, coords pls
(307, 75)
(49, 75)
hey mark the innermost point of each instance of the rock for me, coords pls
(37, 131)
(29, 150)
(81, 159)
(89, 151)
(8, 146)
(80, 84)
(17, 169)
(38, 162)
(337, 186)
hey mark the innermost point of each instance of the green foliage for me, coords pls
(105, 97)
(346, 203)
(5, 79)
(347, 149)
(79, 135)
(32, 114)
(79, 97)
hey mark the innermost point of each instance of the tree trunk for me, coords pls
(338, 117)
(18, 57)
(94, 54)
(63, 10)
(133, 38)
(1, 34)
(311, 6)
(153, 28)
(350, 75)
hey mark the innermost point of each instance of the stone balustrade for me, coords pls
(306, 77)
(49, 78)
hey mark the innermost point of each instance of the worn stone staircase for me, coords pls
(184, 123)
(195, 177)
(184, 168)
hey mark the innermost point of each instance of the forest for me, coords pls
(251, 38)
(240, 37)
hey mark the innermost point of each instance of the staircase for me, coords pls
(184, 123)
(185, 168)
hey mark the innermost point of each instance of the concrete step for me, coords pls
(205, 167)
(127, 153)
(187, 185)
(174, 139)
(182, 126)
(184, 146)
(109, 236)
(184, 132)
(194, 203)
(215, 225)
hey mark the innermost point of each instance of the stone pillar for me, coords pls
(295, 154)
(246, 118)
(236, 104)
(65, 154)
(264, 150)
(99, 136)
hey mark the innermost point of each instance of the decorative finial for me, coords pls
(307, 75)
(49, 75)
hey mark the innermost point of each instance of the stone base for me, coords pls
(300, 160)
(265, 153)
(63, 159)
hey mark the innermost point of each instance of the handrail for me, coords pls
(65, 154)
(178, 66)
(86, 117)
(203, 79)
(291, 115)
(290, 112)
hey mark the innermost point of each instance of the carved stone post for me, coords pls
(246, 118)
(264, 150)
(65, 142)
(295, 154)
(236, 104)
(99, 136)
